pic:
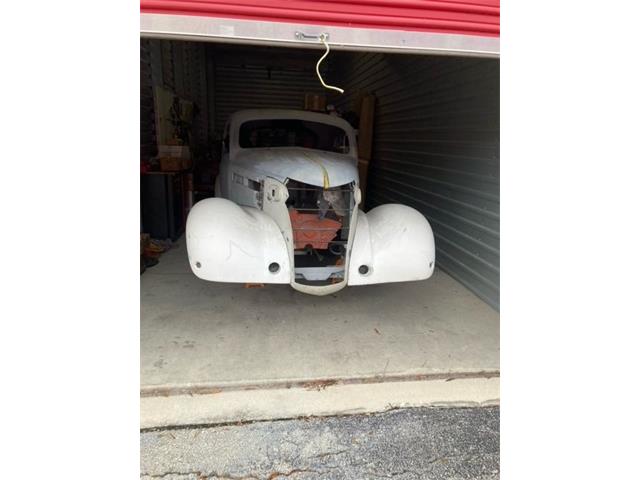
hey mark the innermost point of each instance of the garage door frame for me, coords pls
(228, 30)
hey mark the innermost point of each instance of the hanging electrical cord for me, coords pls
(323, 39)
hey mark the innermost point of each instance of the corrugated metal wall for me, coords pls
(147, 121)
(196, 89)
(262, 79)
(436, 148)
(181, 68)
(221, 80)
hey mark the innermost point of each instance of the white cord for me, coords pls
(323, 39)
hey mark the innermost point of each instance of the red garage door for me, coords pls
(471, 26)
(472, 17)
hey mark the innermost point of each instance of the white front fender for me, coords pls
(395, 244)
(229, 243)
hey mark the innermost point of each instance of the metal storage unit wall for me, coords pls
(261, 78)
(181, 68)
(436, 148)
(195, 87)
(147, 121)
(221, 80)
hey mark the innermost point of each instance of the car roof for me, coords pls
(242, 116)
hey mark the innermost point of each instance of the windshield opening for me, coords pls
(293, 133)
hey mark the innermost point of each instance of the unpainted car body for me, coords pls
(286, 211)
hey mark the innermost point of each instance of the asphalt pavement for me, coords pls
(416, 443)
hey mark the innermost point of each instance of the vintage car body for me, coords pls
(286, 211)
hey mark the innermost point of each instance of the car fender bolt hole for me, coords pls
(274, 267)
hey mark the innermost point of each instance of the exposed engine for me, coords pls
(320, 220)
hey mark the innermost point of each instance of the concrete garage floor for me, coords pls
(214, 352)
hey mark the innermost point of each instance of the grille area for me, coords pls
(321, 223)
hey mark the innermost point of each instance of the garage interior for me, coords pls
(214, 352)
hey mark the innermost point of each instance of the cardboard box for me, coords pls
(176, 151)
(144, 241)
(315, 103)
(172, 164)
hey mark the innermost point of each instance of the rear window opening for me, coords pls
(293, 133)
